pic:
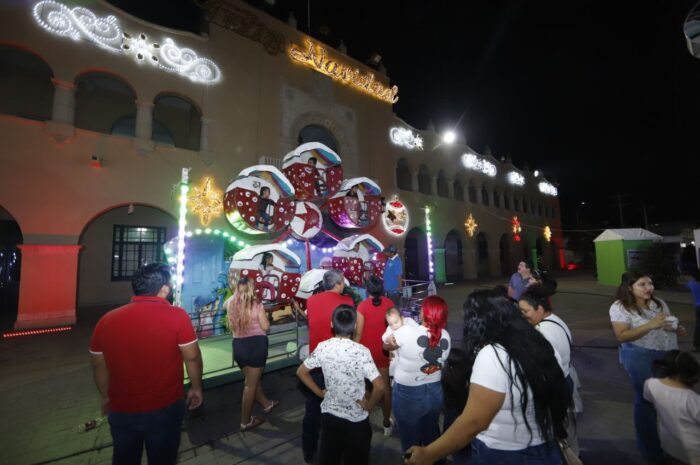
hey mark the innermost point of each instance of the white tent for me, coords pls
(629, 234)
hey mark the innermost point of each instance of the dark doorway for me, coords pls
(454, 262)
(10, 265)
(542, 262)
(482, 256)
(416, 255)
(505, 261)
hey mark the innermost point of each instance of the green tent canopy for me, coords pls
(620, 250)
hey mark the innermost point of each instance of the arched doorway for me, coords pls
(10, 265)
(316, 133)
(505, 260)
(454, 261)
(483, 269)
(115, 243)
(416, 255)
(542, 261)
(554, 257)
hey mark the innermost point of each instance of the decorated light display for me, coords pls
(516, 178)
(32, 332)
(406, 138)
(182, 224)
(206, 201)
(474, 162)
(315, 57)
(79, 23)
(429, 236)
(516, 228)
(547, 233)
(395, 217)
(470, 225)
(548, 189)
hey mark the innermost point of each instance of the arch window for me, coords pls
(442, 189)
(403, 175)
(176, 121)
(101, 101)
(26, 89)
(457, 189)
(472, 192)
(485, 196)
(424, 180)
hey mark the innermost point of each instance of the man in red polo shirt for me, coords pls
(319, 310)
(137, 352)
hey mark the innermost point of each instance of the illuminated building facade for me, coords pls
(100, 112)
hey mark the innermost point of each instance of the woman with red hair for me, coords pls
(417, 394)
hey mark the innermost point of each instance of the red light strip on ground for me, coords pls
(32, 332)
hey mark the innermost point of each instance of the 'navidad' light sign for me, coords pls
(315, 57)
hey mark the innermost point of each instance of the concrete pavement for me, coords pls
(46, 390)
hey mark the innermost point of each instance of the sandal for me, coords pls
(254, 422)
(273, 404)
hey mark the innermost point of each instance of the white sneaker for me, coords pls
(388, 430)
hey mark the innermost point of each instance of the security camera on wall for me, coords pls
(96, 161)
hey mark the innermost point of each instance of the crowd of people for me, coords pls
(506, 395)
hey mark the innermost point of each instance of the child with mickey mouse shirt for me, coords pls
(417, 394)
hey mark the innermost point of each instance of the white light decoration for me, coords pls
(182, 224)
(547, 188)
(516, 178)
(429, 238)
(80, 23)
(406, 138)
(474, 162)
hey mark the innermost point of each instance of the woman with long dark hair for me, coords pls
(506, 357)
(248, 322)
(417, 398)
(536, 306)
(369, 332)
(644, 326)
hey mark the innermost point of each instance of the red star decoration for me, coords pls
(311, 219)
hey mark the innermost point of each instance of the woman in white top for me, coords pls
(677, 406)
(507, 358)
(417, 397)
(536, 307)
(645, 329)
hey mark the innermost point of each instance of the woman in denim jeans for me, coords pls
(417, 393)
(505, 358)
(642, 326)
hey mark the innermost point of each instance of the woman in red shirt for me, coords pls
(370, 328)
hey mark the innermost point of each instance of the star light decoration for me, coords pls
(206, 201)
(516, 228)
(470, 225)
(547, 233)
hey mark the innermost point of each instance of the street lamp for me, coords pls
(449, 137)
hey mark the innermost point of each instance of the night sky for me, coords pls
(602, 96)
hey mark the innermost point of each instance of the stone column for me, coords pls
(48, 283)
(63, 102)
(414, 181)
(204, 144)
(470, 264)
(144, 120)
(450, 189)
(433, 185)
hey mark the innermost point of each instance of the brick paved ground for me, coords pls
(46, 390)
